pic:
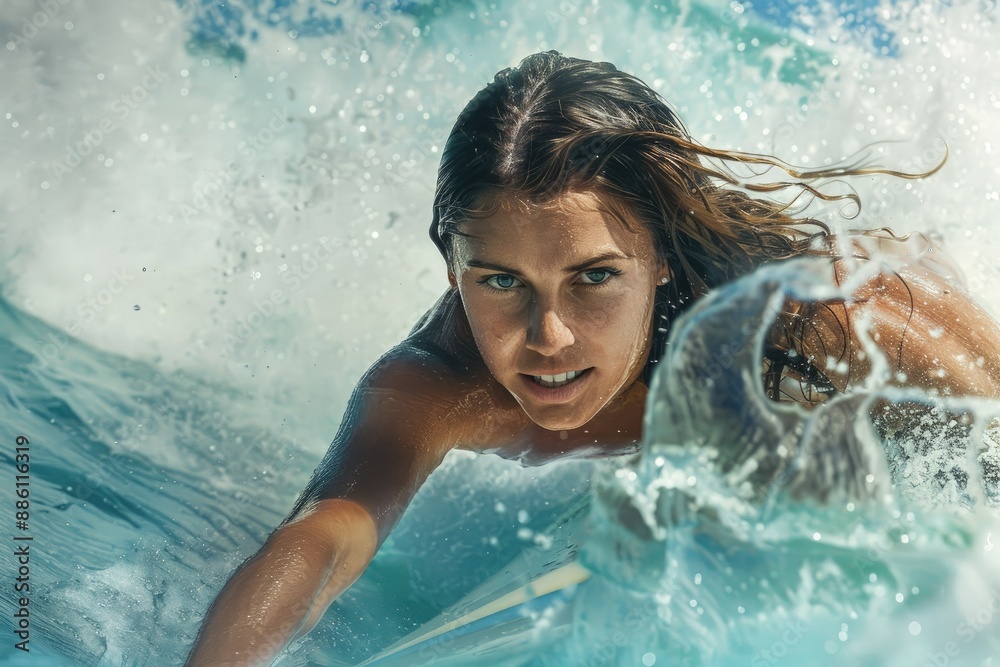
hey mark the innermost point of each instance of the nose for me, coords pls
(547, 333)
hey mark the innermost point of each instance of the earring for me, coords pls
(663, 281)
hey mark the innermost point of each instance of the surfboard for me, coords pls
(500, 618)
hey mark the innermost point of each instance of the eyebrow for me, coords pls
(569, 269)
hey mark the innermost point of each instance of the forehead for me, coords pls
(571, 224)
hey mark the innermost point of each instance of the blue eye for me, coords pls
(599, 276)
(504, 282)
(500, 281)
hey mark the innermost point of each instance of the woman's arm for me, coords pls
(395, 432)
(280, 593)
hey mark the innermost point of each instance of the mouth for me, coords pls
(559, 388)
(560, 380)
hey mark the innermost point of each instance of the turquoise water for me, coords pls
(214, 221)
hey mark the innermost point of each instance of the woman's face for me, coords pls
(555, 290)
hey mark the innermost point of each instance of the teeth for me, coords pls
(556, 380)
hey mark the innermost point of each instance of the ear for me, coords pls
(452, 280)
(664, 275)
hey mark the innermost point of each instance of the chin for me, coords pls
(560, 422)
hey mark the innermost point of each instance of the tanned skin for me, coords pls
(415, 405)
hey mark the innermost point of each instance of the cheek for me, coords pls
(621, 314)
(493, 331)
(625, 332)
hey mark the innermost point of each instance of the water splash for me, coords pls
(755, 531)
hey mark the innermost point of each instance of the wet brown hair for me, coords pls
(556, 124)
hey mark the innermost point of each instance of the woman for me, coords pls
(577, 220)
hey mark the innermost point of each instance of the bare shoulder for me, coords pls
(417, 389)
(434, 363)
(440, 399)
(399, 424)
(916, 311)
